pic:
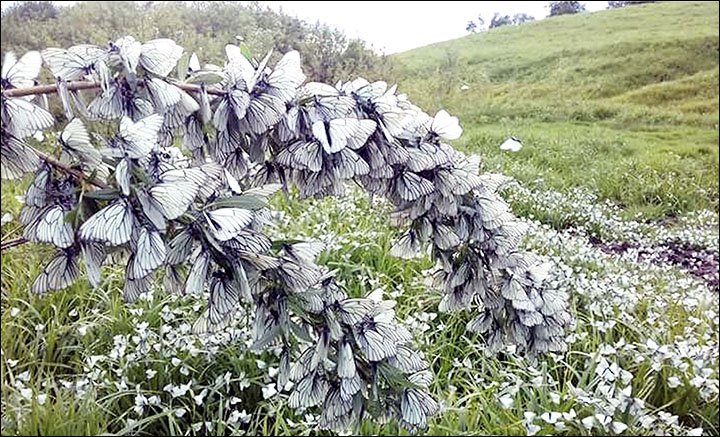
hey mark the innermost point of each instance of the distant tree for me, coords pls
(622, 4)
(521, 18)
(38, 11)
(563, 8)
(471, 27)
(500, 20)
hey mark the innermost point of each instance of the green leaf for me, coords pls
(245, 202)
(279, 244)
(103, 194)
(70, 217)
(207, 77)
(245, 51)
(182, 66)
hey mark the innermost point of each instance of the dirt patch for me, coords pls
(700, 262)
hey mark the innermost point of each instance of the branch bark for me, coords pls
(12, 243)
(71, 171)
(87, 85)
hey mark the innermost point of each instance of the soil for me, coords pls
(700, 262)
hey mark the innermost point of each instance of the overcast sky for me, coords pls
(398, 26)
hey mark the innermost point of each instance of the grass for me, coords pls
(623, 103)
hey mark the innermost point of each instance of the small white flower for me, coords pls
(555, 398)
(269, 391)
(234, 400)
(39, 327)
(532, 429)
(92, 360)
(12, 363)
(5, 219)
(606, 349)
(234, 417)
(506, 401)
(695, 431)
(674, 381)
(697, 381)
(177, 390)
(14, 311)
(551, 417)
(570, 415)
(588, 422)
(82, 330)
(603, 419)
(184, 370)
(176, 361)
(25, 376)
(199, 397)
(150, 373)
(41, 399)
(244, 417)
(273, 371)
(618, 427)
(73, 312)
(180, 412)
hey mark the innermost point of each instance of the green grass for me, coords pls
(623, 101)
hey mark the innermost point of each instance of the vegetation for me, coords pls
(201, 27)
(564, 8)
(618, 113)
(630, 113)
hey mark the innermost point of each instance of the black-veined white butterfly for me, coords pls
(22, 119)
(61, 272)
(160, 56)
(112, 225)
(20, 73)
(335, 135)
(16, 157)
(149, 253)
(51, 227)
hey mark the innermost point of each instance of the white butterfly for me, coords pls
(339, 133)
(512, 144)
(445, 126)
(20, 73)
(160, 56)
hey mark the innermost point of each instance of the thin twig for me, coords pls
(88, 85)
(71, 171)
(12, 243)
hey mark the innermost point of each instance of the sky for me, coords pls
(394, 26)
(398, 26)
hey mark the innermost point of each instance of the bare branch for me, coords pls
(86, 85)
(71, 171)
(12, 243)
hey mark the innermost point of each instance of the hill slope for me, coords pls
(623, 101)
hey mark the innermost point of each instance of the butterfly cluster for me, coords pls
(170, 177)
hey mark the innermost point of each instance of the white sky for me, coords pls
(393, 26)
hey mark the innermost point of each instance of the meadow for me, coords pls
(617, 180)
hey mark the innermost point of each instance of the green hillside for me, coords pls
(621, 101)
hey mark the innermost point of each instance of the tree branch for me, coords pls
(71, 171)
(87, 85)
(12, 243)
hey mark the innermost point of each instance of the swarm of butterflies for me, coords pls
(171, 175)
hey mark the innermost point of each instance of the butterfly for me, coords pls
(20, 73)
